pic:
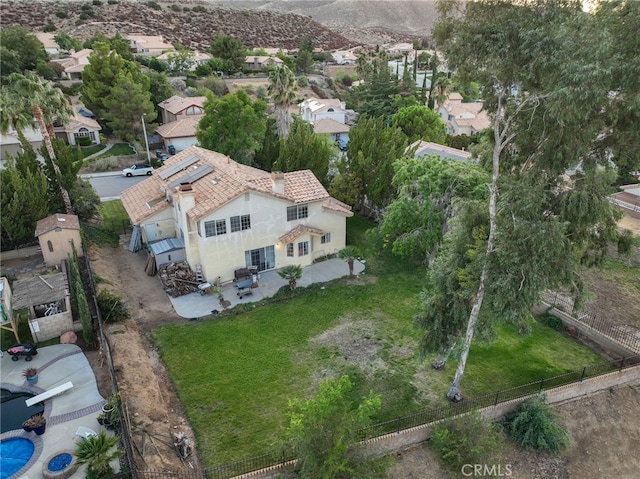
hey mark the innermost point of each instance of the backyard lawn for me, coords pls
(235, 374)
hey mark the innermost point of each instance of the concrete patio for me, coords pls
(195, 305)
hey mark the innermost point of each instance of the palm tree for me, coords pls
(441, 91)
(96, 452)
(30, 94)
(291, 273)
(282, 91)
(349, 254)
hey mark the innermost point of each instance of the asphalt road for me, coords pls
(108, 186)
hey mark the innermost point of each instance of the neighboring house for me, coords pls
(463, 118)
(79, 125)
(233, 216)
(6, 310)
(399, 48)
(260, 63)
(334, 129)
(344, 57)
(314, 109)
(10, 144)
(428, 148)
(74, 65)
(198, 58)
(50, 45)
(48, 303)
(181, 134)
(57, 235)
(178, 107)
(147, 45)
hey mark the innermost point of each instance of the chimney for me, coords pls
(277, 182)
(186, 196)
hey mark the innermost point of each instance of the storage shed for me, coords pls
(169, 250)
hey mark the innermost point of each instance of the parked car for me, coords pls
(341, 144)
(138, 170)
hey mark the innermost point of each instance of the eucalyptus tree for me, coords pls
(543, 68)
(28, 97)
(282, 90)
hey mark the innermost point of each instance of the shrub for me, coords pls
(49, 27)
(112, 307)
(61, 14)
(533, 426)
(552, 321)
(153, 5)
(347, 81)
(303, 81)
(97, 3)
(199, 9)
(83, 140)
(176, 8)
(467, 439)
(112, 2)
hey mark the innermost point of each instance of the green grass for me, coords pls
(88, 150)
(114, 223)
(235, 375)
(119, 149)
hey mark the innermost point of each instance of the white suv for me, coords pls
(138, 170)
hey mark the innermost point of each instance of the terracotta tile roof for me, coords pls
(428, 147)
(329, 125)
(78, 121)
(337, 206)
(226, 181)
(176, 103)
(59, 220)
(298, 231)
(180, 128)
(317, 104)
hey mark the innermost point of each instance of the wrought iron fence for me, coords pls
(426, 416)
(623, 335)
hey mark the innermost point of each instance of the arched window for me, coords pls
(330, 110)
(50, 246)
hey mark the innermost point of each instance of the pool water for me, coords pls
(14, 410)
(59, 462)
(14, 454)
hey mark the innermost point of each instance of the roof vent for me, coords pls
(186, 187)
(62, 219)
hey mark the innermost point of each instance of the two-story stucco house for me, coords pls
(233, 216)
(463, 118)
(180, 118)
(314, 109)
(150, 45)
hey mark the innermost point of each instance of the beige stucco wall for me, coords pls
(221, 255)
(61, 240)
(51, 326)
(159, 226)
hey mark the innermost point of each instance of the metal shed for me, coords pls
(169, 250)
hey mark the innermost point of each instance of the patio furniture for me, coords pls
(85, 432)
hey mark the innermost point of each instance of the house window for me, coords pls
(325, 238)
(50, 246)
(261, 258)
(290, 249)
(240, 223)
(297, 212)
(215, 228)
(303, 248)
(193, 110)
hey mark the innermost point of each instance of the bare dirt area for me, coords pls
(148, 397)
(604, 429)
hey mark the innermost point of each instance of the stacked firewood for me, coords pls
(178, 279)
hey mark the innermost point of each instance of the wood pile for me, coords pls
(178, 279)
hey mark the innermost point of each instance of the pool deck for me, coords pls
(65, 412)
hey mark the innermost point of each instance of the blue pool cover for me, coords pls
(14, 454)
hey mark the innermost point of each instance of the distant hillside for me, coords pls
(195, 30)
(414, 17)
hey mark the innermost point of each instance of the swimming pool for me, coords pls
(14, 410)
(14, 454)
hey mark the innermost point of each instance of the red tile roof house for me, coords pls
(232, 216)
(463, 118)
(180, 117)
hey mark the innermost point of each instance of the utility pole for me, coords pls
(146, 140)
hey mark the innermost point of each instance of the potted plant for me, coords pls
(111, 403)
(36, 423)
(31, 375)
